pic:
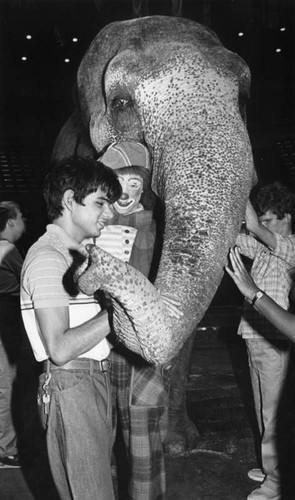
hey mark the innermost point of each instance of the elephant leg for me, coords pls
(182, 433)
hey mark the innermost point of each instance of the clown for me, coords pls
(132, 185)
(140, 396)
(132, 232)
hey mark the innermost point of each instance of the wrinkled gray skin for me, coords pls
(170, 84)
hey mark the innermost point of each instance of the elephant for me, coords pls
(170, 84)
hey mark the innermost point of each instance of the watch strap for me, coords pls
(258, 295)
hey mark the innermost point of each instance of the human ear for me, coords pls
(68, 199)
(10, 222)
(287, 217)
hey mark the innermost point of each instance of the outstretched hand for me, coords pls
(240, 275)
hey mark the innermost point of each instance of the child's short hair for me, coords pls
(83, 176)
(277, 198)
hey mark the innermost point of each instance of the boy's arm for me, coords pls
(280, 319)
(247, 245)
(14, 260)
(253, 225)
(63, 343)
(285, 248)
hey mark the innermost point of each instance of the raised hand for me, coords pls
(240, 275)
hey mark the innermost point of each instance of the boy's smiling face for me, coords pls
(132, 187)
(89, 218)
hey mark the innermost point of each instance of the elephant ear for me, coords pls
(73, 140)
(140, 315)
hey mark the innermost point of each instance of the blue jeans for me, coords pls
(10, 325)
(79, 434)
(268, 363)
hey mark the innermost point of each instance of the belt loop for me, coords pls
(47, 376)
(91, 367)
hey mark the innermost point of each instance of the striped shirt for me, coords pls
(117, 240)
(46, 282)
(272, 270)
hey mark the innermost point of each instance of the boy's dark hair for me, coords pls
(277, 198)
(8, 210)
(148, 197)
(83, 176)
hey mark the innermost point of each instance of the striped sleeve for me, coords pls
(43, 279)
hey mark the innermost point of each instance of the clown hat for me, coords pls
(126, 154)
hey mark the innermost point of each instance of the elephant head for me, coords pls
(170, 84)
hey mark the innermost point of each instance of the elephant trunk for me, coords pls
(205, 196)
(140, 317)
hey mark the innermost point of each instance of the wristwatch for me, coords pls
(258, 295)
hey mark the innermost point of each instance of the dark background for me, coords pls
(36, 94)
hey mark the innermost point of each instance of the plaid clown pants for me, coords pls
(140, 401)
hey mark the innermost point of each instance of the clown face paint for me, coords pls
(132, 187)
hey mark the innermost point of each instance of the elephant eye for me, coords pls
(120, 103)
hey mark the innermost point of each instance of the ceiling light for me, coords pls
(24, 58)
(278, 50)
(283, 28)
(240, 33)
(29, 37)
(67, 60)
(74, 39)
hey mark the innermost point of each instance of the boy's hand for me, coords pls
(240, 275)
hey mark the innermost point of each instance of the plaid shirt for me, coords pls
(272, 270)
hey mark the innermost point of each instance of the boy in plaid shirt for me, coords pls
(271, 246)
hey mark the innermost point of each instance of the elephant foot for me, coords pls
(180, 441)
